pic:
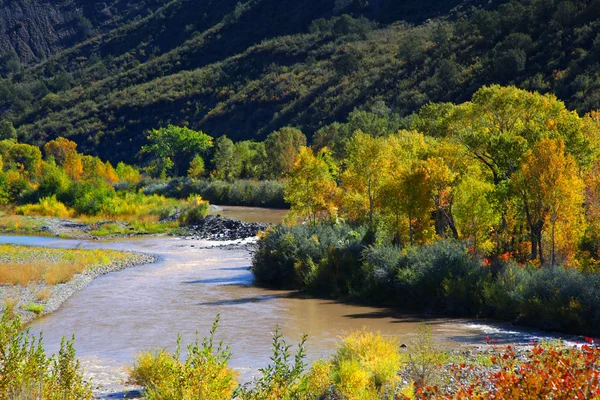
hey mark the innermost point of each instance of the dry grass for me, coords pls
(43, 295)
(22, 265)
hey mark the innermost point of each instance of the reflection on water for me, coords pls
(145, 307)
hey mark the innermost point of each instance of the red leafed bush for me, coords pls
(546, 372)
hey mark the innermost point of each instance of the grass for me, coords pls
(35, 308)
(21, 265)
(18, 224)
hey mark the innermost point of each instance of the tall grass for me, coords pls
(21, 265)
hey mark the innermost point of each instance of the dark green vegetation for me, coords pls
(247, 69)
(442, 277)
(252, 193)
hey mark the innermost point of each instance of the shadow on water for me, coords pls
(231, 280)
(255, 299)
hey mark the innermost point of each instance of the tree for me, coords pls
(405, 150)
(366, 167)
(551, 193)
(196, 169)
(474, 209)
(311, 188)
(226, 161)
(174, 148)
(282, 148)
(7, 130)
(60, 148)
(501, 124)
(415, 197)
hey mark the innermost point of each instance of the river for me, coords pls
(146, 307)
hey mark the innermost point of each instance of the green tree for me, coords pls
(7, 130)
(227, 164)
(174, 148)
(282, 148)
(474, 210)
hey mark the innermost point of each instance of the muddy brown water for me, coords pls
(146, 307)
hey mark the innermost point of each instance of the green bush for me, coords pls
(443, 277)
(27, 373)
(309, 257)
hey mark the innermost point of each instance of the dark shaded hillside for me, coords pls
(34, 30)
(247, 69)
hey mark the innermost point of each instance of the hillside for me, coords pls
(246, 69)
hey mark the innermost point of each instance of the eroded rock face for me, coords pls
(215, 227)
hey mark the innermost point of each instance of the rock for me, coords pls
(215, 227)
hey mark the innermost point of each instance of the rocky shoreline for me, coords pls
(20, 297)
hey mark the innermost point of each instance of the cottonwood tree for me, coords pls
(551, 192)
(174, 148)
(282, 148)
(311, 188)
(366, 167)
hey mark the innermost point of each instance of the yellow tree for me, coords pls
(474, 210)
(415, 192)
(311, 188)
(405, 150)
(64, 152)
(551, 191)
(367, 165)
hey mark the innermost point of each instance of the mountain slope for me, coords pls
(247, 69)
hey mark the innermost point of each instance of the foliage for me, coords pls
(26, 371)
(195, 210)
(265, 193)
(548, 371)
(203, 375)
(366, 365)
(311, 186)
(175, 147)
(283, 379)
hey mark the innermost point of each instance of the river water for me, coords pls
(146, 307)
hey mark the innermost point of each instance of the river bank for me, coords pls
(42, 297)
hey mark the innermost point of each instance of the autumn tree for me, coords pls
(551, 192)
(475, 211)
(311, 188)
(405, 150)
(174, 147)
(196, 169)
(64, 153)
(500, 124)
(282, 148)
(365, 174)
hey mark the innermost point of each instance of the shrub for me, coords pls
(27, 373)
(195, 210)
(203, 375)
(548, 371)
(47, 206)
(318, 258)
(283, 379)
(237, 193)
(366, 364)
